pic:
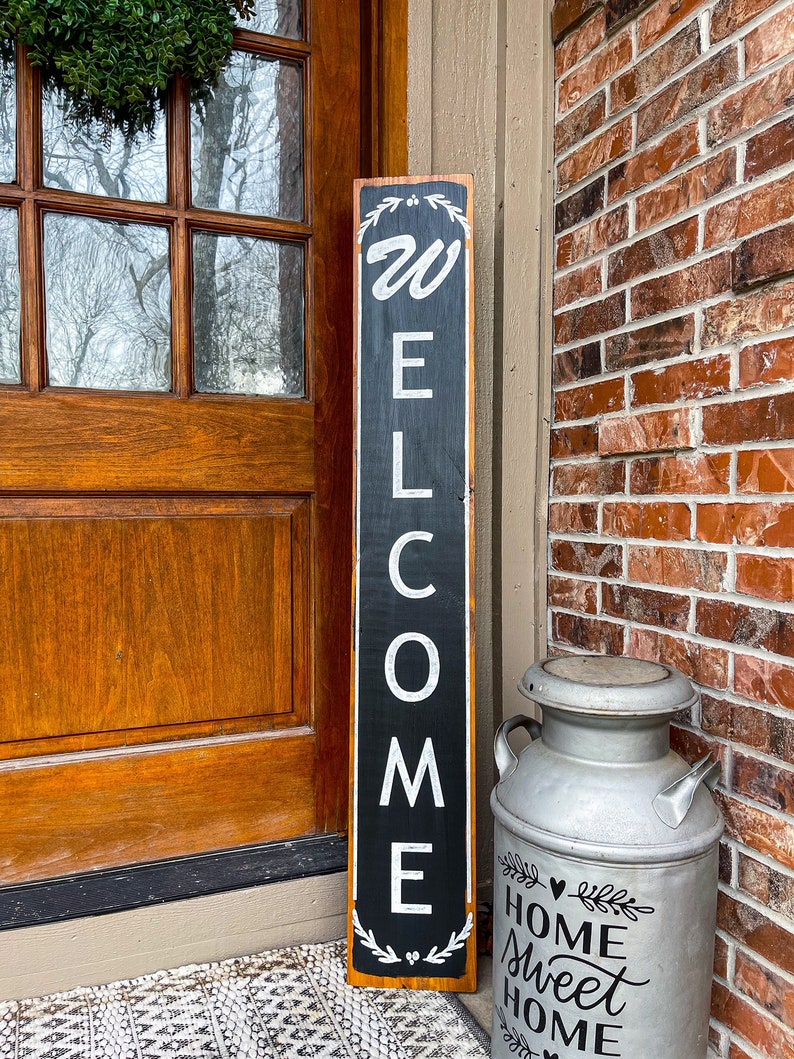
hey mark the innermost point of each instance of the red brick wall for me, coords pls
(672, 516)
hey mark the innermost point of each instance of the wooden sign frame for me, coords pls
(412, 890)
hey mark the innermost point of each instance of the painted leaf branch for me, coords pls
(390, 203)
(521, 870)
(607, 899)
(387, 955)
(456, 941)
(516, 1042)
(455, 212)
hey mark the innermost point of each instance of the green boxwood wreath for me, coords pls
(115, 59)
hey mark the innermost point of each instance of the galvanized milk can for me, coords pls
(606, 870)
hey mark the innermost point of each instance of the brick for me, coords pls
(763, 1033)
(758, 313)
(595, 71)
(656, 251)
(765, 471)
(658, 521)
(594, 479)
(568, 442)
(720, 957)
(766, 577)
(746, 213)
(593, 399)
(593, 560)
(693, 745)
(767, 362)
(620, 11)
(706, 665)
(771, 835)
(770, 41)
(579, 123)
(583, 283)
(750, 106)
(660, 341)
(730, 15)
(693, 379)
(591, 634)
(590, 318)
(594, 155)
(767, 885)
(572, 365)
(647, 166)
(764, 987)
(573, 518)
(687, 190)
(658, 66)
(764, 257)
(745, 626)
(735, 1051)
(571, 593)
(648, 432)
(765, 681)
(593, 237)
(664, 16)
(757, 419)
(748, 726)
(688, 93)
(580, 205)
(764, 781)
(705, 279)
(769, 149)
(567, 13)
(767, 525)
(677, 567)
(580, 43)
(725, 863)
(646, 606)
(706, 473)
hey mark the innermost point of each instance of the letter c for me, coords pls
(394, 565)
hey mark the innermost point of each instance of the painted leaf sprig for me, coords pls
(456, 941)
(116, 59)
(607, 899)
(520, 870)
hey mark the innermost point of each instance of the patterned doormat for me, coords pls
(284, 1004)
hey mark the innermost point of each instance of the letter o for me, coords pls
(541, 930)
(432, 676)
(540, 1024)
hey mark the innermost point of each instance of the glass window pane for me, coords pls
(248, 140)
(108, 304)
(283, 18)
(248, 315)
(94, 163)
(10, 365)
(8, 115)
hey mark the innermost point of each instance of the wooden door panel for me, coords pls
(130, 806)
(52, 443)
(151, 614)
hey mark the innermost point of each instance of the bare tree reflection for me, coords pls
(281, 17)
(9, 298)
(8, 113)
(108, 294)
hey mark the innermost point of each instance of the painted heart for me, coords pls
(546, 1053)
(557, 888)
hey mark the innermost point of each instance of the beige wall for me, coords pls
(479, 101)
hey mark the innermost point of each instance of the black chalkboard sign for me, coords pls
(412, 887)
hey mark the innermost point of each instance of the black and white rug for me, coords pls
(285, 1004)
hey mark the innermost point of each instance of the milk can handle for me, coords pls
(506, 760)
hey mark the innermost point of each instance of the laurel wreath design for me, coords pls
(521, 870)
(516, 1042)
(434, 956)
(393, 202)
(607, 899)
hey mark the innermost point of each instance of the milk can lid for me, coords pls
(607, 685)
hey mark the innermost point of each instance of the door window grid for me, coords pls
(115, 186)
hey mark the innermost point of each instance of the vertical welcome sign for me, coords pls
(412, 887)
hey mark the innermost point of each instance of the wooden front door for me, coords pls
(175, 422)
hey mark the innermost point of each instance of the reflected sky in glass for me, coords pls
(90, 161)
(10, 370)
(282, 18)
(8, 123)
(248, 140)
(248, 315)
(108, 304)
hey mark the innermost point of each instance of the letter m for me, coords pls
(427, 763)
